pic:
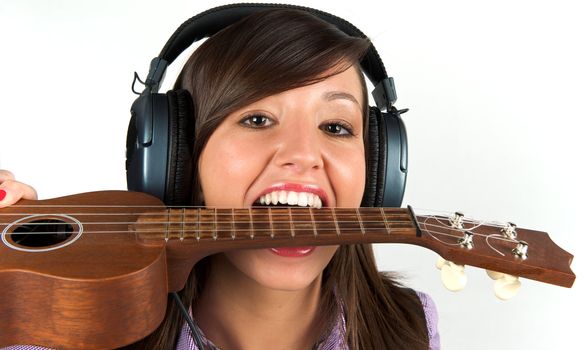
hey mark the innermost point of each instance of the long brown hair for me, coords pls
(264, 54)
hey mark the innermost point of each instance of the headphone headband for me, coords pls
(213, 20)
(161, 131)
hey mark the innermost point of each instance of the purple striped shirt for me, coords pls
(335, 340)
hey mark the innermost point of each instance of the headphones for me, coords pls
(161, 134)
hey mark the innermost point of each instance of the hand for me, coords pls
(11, 191)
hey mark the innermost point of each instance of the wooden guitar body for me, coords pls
(101, 291)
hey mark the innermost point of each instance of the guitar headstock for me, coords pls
(501, 248)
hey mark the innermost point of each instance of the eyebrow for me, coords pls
(334, 95)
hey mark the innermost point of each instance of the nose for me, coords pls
(299, 150)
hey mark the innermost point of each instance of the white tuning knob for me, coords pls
(507, 286)
(440, 262)
(495, 275)
(452, 275)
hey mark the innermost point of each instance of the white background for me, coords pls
(495, 128)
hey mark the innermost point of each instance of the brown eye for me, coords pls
(256, 121)
(338, 129)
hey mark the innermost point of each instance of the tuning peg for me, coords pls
(495, 275)
(452, 275)
(440, 262)
(507, 286)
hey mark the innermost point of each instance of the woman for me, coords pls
(280, 116)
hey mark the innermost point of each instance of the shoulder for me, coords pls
(432, 318)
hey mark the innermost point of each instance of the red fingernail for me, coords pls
(2, 194)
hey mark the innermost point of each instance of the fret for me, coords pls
(262, 223)
(233, 224)
(357, 212)
(190, 223)
(347, 220)
(215, 225)
(335, 221)
(313, 222)
(280, 221)
(241, 222)
(324, 223)
(385, 220)
(198, 232)
(373, 221)
(182, 233)
(251, 224)
(224, 224)
(397, 218)
(167, 226)
(207, 224)
(270, 222)
(300, 224)
(174, 225)
(292, 227)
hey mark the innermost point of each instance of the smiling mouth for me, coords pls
(282, 198)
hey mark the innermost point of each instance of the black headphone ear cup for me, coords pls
(147, 145)
(376, 160)
(392, 176)
(180, 154)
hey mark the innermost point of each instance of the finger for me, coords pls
(5, 175)
(12, 191)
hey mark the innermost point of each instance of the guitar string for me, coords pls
(487, 237)
(246, 212)
(231, 214)
(277, 230)
(375, 220)
(174, 234)
(219, 213)
(168, 211)
(213, 225)
(397, 210)
(65, 223)
(371, 223)
(275, 212)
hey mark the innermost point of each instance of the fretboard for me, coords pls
(306, 225)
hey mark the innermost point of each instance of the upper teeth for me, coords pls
(301, 199)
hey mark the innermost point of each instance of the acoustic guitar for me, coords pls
(93, 270)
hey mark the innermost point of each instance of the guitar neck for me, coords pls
(254, 227)
(212, 230)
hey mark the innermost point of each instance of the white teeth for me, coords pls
(292, 198)
(274, 197)
(301, 199)
(282, 197)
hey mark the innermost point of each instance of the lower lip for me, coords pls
(293, 252)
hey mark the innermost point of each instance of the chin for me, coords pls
(289, 280)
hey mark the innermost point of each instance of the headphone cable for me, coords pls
(189, 319)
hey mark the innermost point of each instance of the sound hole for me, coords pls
(41, 233)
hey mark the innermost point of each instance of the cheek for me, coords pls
(348, 177)
(226, 170)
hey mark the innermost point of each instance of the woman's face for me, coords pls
(308, 139)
